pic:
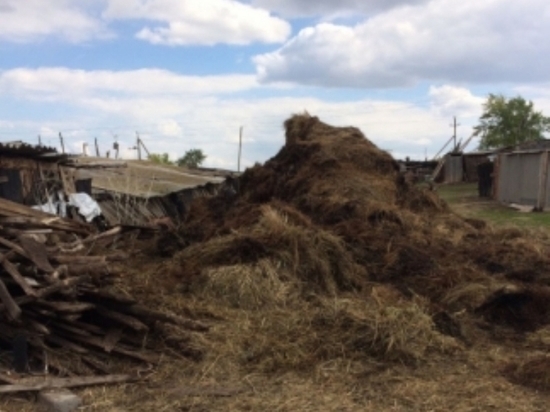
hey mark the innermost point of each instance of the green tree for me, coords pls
(508, 122)
(159, 158)
(192, 158)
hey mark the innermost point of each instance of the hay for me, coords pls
(533, 373)
(250, 287)
(312, 255)
(318, 230)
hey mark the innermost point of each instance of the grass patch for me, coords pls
(463, 199)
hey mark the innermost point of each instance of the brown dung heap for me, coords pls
(327, 252)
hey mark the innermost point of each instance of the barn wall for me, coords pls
(28, 180)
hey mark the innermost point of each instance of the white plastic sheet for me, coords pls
(87, 207)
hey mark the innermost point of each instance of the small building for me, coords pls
(460, 167)
(140, 192)
(30, 174)
(521, 177)
(127, 192)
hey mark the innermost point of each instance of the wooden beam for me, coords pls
(16, 276)
(73, 382)
(13, 309)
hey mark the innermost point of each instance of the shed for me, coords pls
(141, 192)
(30, 174)
(522, 178)
(460, 167)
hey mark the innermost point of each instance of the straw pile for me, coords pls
(331, 253)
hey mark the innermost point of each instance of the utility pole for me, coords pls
(39, 141)
(62, 143)
(138, 146)
(240, 149)
(96, 148)
(144, 147)
(454, 126)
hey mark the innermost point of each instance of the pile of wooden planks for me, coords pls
(58, 313)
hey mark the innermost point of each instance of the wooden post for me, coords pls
(240, 148)
(138, 146)
(62, 143)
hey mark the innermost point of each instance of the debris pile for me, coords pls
(58, 311)
(333, 254)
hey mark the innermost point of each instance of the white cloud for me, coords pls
(87, 104)
(480, 41)
(29, 20)
(170, 128)
(204, 22)
(62, 83)
(330, 8)
(455, 101)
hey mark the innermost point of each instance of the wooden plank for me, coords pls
(66, 344)
(37, 253)
(124, 320)
(42, 293)
(16, 276)
(111, 339)
(66, 307)
(103, 295)
(143, 312)
(98, 343)
(12, 209)
(73, 382)
(13, 309)
(68, 327)
(47, 222)
(13, 246)
(109, 233)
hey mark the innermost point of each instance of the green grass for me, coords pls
(463, 199)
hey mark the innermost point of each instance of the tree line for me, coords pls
(509, 122)
(192, 159)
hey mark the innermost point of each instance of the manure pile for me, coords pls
(327, 252)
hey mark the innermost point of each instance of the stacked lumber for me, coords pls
(58, 311)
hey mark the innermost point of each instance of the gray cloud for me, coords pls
(321, 8)
(497, 41)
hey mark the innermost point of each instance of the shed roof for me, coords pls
(144, 178)
(19, 148)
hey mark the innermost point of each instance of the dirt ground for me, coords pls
(331, 284)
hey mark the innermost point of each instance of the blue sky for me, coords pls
(189, 73)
